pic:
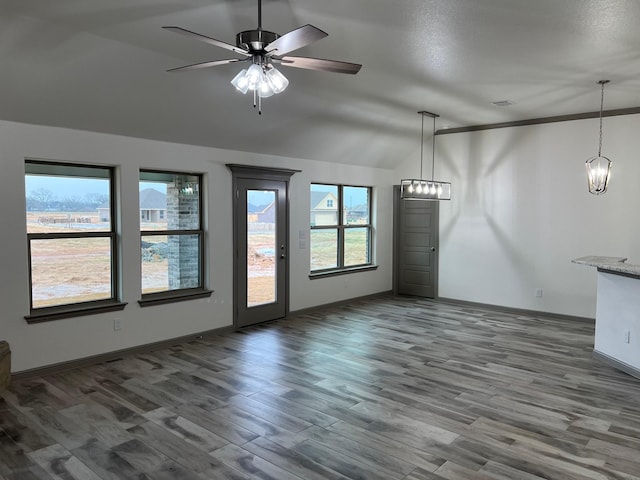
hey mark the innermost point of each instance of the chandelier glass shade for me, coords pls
(420, 188)
(598, 174)
(262, 78)
(599, 167)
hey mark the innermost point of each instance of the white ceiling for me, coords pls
(101, 65)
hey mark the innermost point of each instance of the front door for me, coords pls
(261, 250)
(416, 246)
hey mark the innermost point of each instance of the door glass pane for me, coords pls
(262, 248)
(324, 248)
(356, 246)
(70, 270)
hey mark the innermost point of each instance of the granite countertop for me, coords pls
(613, 264)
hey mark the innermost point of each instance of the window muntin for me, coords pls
(71, 237)
(341, 229)
(171, 233)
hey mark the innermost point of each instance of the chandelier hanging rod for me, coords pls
(424, 113)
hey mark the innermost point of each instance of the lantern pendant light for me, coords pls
(599, 167)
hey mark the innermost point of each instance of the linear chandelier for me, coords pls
(419, 188)
(599, 167)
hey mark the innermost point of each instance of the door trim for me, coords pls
(257, 173)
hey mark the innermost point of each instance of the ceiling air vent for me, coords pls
(502, 103)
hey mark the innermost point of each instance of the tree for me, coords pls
(95, 200)
(40, 199)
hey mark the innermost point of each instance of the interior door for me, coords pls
(416, 246)
(261, 250)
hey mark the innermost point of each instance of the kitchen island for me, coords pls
(617, 338)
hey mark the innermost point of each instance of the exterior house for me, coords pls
(268, 215)
(324, 208)
(153, 207)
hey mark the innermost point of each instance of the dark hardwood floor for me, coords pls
(382, 389)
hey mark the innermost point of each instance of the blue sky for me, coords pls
(353, 195)
(62, 187)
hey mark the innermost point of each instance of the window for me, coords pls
(171, 237)
(341, 230)
(72, 240)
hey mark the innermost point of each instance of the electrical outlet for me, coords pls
(538, 292)
(627, 336)
(116, 324)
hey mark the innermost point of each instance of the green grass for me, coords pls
(324, 248)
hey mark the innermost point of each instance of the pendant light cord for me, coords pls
(602, 83)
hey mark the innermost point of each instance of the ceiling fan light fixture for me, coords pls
(264, 81)
(254, 76)
(277, 80)
(265, 89)
(241, 82)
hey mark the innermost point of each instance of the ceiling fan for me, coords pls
(264, 49)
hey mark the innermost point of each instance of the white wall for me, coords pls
(520, 211)
(618, 311)
(63, 340)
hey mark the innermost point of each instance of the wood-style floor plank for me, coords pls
(386, 388)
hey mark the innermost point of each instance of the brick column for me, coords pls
(183, 252)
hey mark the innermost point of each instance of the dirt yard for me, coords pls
(79, 270)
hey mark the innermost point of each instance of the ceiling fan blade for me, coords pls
(196, 66)
(321, 64)
(209, 40)
(295, 39)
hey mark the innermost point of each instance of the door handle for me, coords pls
(433, 249)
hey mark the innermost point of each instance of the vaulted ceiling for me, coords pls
(100, 65)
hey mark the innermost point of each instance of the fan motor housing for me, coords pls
(255, 40)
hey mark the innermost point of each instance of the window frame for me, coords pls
(67, 310)
(341, 227)
(182, 294)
